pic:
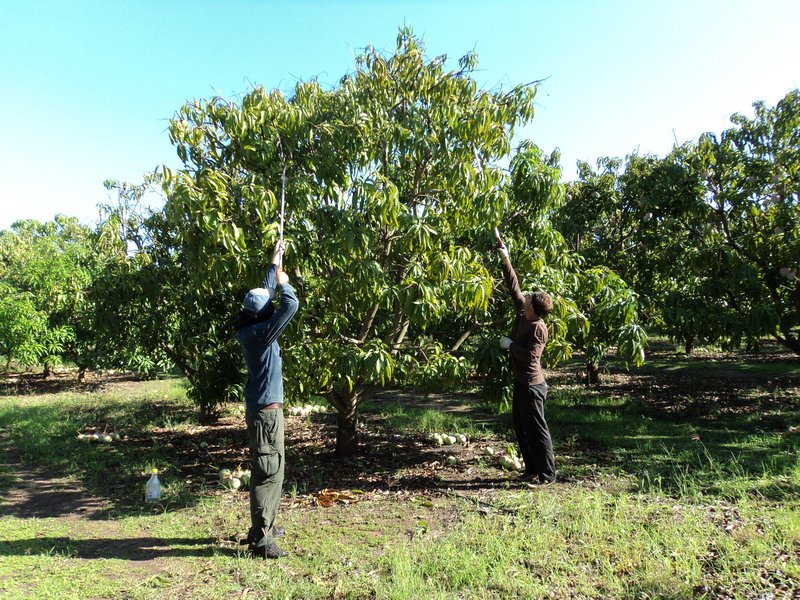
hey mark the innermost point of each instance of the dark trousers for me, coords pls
(265, 439)
(530, 426)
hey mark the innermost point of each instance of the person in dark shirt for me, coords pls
(525, 345)
(257, 330)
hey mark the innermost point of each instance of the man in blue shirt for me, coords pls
(257, 330)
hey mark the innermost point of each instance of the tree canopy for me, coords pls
(394, 181)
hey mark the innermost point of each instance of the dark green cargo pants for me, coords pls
(265, 439)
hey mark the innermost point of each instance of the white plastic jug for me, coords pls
(152, 491)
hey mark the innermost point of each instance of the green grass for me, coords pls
(593, 544)
(725, 456)
(658, 503)
(401, 416)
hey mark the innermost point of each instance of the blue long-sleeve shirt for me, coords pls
(262, 354)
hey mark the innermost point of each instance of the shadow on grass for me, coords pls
(46, 471)
(28, 384)
(133, 549)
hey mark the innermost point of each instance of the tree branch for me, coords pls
(464, 336)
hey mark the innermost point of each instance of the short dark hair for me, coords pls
(542, 303)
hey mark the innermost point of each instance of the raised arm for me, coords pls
(271, 278)
(509, 275)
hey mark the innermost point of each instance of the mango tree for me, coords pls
(706, 235)
(393, 183)
(602, 310)
(24, 335)
(647, 221)
(390, 179)
(750, 176)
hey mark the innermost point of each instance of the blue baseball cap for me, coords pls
(255, 300)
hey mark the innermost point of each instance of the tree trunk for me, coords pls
(81, 375)
(464, 337)
(592, 373)
(688, 346)
(209, 413)
(347, 430)
(46, 371)
(793, 344)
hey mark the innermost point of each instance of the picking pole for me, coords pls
(283, 199)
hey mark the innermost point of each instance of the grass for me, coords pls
(590, 544)
(659, 502)
(408, 418)
(726, 456)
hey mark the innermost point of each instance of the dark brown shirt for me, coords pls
(528, 338)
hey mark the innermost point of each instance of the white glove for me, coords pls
(505, 342)
(501, 246)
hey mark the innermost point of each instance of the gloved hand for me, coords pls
(505, 342)
(501, 246)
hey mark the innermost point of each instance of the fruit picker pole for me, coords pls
(283, 198)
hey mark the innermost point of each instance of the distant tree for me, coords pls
(49, 266)
(706, 235)
(633, 219)
(750, 177)
(25, 337)
(152, 315)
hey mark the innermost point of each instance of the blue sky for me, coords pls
(87, 87)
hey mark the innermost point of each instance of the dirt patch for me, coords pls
(42, 495)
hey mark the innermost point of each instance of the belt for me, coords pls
(271, 406)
